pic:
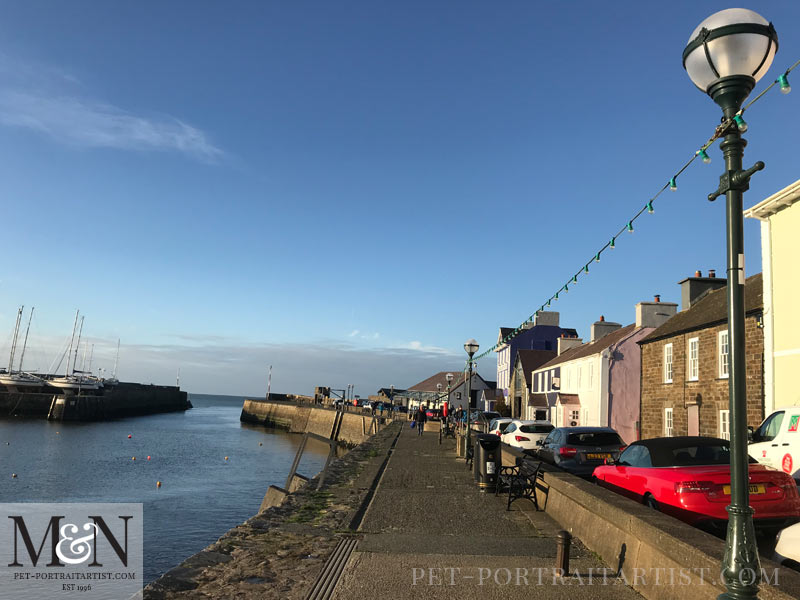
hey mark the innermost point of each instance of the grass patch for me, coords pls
(313, 509)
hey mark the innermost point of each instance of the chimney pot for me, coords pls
(712, 273)
(698, 273)
(602, 318)
(657, 298)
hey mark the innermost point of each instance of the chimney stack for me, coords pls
(602, 328)
(546, 317)
(712, 273)
(654, 314)
(694, 288)
(565, 343)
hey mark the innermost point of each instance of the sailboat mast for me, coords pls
(71, 341)
(78, 345)
(14, 341)
(91, 356)
(85, 348)
(116, 360)
(25, 343)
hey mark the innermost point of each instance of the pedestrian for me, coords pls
(421, 417)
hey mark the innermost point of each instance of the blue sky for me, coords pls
(350, 190)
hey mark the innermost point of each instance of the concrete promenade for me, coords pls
(430, 533)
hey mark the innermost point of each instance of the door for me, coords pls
(694, 420)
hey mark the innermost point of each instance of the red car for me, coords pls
(689, 478)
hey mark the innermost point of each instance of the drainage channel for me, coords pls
(326, 581)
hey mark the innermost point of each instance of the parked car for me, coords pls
(787, 548)
(479, 418)
(690, 478)
(578, 450)
(526, 434)
(776, 442)
(498, 426)
(433, 414)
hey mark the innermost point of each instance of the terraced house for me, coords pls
(685, 362)
(597, 383)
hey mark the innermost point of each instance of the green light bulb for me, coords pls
(650, 208)
(630, 227)
(673, 185)
(784, 81)
(612, 244)
(704, 155)
(740, 123)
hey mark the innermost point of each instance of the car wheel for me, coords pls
(650, 502)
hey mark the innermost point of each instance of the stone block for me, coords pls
(274, 497)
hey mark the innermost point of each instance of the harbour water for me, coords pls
(202, 494)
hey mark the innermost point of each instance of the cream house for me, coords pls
(780, 247)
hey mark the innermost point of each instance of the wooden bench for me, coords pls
(520, 481)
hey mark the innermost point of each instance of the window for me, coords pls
(693, 359)
(574, 416)
(668, 363)
(591, 374)
(668, 422)
(769, 429)
(580, 376)
(725, 423)
(723, 353)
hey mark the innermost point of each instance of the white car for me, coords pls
(787, 550)
(525, 434)
(776, 442)
(498, 426)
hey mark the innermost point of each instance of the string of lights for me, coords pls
(785, 88)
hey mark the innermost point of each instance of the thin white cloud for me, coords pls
(88, 123)
(353, 333)
(55, 103)
(418, 346)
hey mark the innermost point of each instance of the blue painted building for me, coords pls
(542, 334)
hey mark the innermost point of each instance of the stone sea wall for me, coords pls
(301, 418)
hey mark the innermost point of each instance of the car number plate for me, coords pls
(755, 488)
(598, 455)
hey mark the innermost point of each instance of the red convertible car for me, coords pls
(689, 478)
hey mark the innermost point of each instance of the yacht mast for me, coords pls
(14, 341)
(71, 341)
(78, 345)
(116, 360)
(25, 343)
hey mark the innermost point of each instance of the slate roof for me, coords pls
(532, 360)
(594, 347)
(710, 310)
(429, 384)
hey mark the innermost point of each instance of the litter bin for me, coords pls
(486, 460)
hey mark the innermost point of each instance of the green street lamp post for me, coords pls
(449, 378)
(438, 394)
(726, 55)
(471, 346)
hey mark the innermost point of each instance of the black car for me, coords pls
(578, 450)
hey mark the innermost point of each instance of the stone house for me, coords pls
(685, 363)
(597, 383)
(520, 390)
(780, 246)
(541, 334)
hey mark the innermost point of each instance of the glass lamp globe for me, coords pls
(471, 346)
(735, 42)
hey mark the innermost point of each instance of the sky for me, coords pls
(348, 191)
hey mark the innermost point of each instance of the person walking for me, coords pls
(420, 418)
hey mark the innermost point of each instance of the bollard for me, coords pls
(563, 539)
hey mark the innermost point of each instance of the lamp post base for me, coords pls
(741, 565)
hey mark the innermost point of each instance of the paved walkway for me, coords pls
(430, 533)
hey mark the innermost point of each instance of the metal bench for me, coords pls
(520, 481)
